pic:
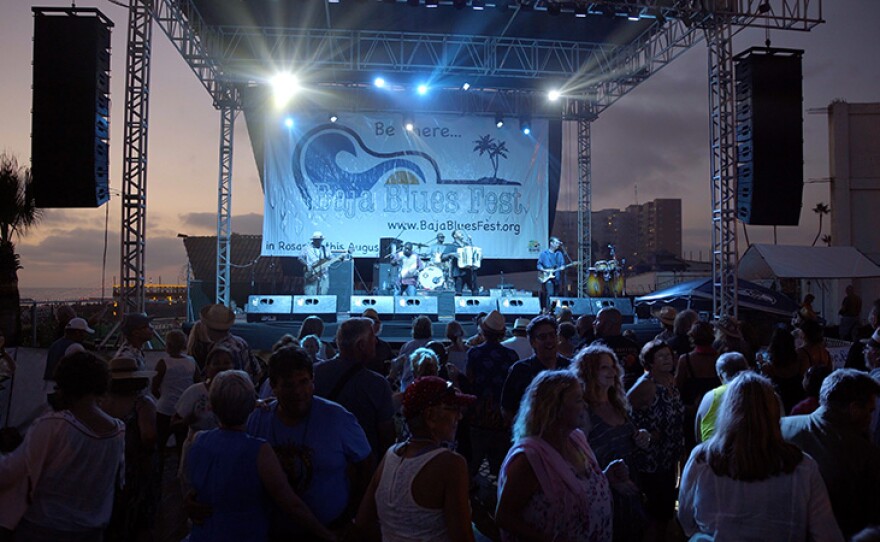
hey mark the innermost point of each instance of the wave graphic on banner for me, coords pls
(315, 160)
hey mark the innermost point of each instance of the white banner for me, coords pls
(366, 177)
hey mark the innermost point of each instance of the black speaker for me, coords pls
(341, 285)
(769, 136)
(71, 109)
(387, 246)
(385, 278)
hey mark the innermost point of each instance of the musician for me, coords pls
(551, 259)
(410, 265)
(463, 276)
(312, 256)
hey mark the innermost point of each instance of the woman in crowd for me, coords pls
(456, 350)
(551, 486)
(747, 483)
(402, 369)
(313, 325)
(812, 384)
(696, 375)
(236, 475)
(681, 327)
(782, 367)
(312, 345)
(420, 490)
(610, 430)
(813, 352)
(134, 507)
(657, 408)
(193, 409)
(174, 374)
(70, 462)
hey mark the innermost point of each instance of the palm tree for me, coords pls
(827, 239)
(496, 150)
(17, 214)
(820, 209)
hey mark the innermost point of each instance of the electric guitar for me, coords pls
(549, 274)
(316, 271)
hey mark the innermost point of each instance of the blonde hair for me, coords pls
(586, 367)
(747, 444)
(424, 362)
(542, 403)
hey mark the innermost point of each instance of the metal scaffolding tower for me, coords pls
(585, 205)
(228, 112)
(134, 156)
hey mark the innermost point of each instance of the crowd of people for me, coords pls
(580, 432)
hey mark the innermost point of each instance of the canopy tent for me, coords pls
(801, 262)
(698, 294)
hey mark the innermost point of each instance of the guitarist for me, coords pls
(551, 259)
(313, 255)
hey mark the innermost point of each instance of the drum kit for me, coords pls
(435, 272)
(606, 277)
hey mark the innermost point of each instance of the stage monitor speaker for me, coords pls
(769, 136)
(518, 306)
(342, 284)
(408, 307)
(466, 307)
(383, 304)
(318, 305)
(385, 278)
(71, 107)
(623, 304)
(579, 306)
(269, 307)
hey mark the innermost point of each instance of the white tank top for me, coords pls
(178, 376)
(401, 518)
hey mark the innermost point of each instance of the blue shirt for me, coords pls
(315, 454)
(548, 259)
(520, 376)
(222, 468)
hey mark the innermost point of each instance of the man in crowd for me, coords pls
(855, 358)
(543, 337)
(550, 262)
(346, 380)
(316, 281)
(727, 366)
(836, 436)
(320, 445)
(217, 320)
(136, 331)
(487, 367)
(584, 327)
(75, 332)
(850, 311)
(383, 355)
(608, 327)
(519, 343)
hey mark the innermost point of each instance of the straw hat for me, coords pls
(317, 235)
(217, 317)
(493, 321)
(521, 324)
(127, 369)
(729, 326)
(667, 315)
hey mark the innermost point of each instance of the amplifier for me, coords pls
(513, 307)
(261, 307)
(318, 305)
(466, 307)
(411, 306)
(579, 306)
(383, 304)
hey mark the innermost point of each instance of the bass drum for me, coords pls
(431, 278)
(617, 284)
(595, 283)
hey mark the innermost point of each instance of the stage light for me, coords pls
(379, 82)
(478, 5)
(634, 14)
(553, 95)
(422, 89)
(525, 124)
(284, 86)
(466, 86)
(333, 117)
(409, 126)
(499, 120)
(288, 121)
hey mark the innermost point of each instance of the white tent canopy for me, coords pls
(801, 262)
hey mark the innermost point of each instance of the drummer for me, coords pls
(463, 276)
(410, 265)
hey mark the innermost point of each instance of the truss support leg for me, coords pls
(725, 255)
(585, 205)
(134, 157)
(228, 113)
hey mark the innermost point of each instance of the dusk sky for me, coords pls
(656, 138)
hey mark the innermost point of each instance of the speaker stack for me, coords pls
(769, 136)
(71, 109)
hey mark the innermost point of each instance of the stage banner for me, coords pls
(366, 177)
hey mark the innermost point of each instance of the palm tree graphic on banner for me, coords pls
(496, 150)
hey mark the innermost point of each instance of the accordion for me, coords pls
(469, 257)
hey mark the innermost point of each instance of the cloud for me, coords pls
(206, 223)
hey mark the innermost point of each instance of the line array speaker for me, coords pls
(71, 109)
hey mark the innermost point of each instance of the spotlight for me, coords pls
(333, 117)
(499, 120)
(553, 95)
(288, 122)
(580, 11)
(633, 14)
(409, 126)
(466, 86)
(422, 89)
(379, 82)
(525, 124)
(478, 5)
(284, 86)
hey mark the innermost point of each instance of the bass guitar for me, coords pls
(318, 270)
(549, 274)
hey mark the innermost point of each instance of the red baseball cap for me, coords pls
(429, 391)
